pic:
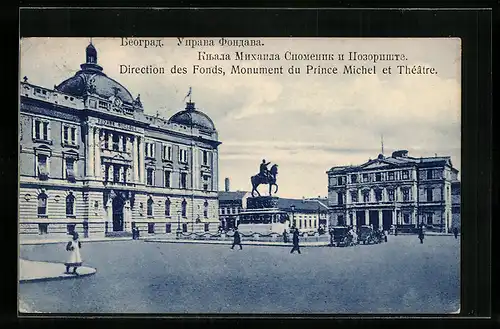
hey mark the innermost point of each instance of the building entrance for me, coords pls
(360, 218)
(387, 219)
(118, 204)
(374, 219)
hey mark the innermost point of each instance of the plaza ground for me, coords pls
(145, 277)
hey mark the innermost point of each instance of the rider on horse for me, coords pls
(264, 172)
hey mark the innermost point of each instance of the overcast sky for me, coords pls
(304, 123)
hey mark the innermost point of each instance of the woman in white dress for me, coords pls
(75, 259)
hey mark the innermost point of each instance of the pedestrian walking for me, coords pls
(237, 239)
(421, 235)
(285, 236)
(455, 232)
(295, 241)
(75, 259)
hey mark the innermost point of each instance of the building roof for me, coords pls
(301, 205)
(192, 117)
(397, 159)
(231, 196)
(90, 79)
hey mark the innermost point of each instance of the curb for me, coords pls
(249, 243)
(36, 242)
(62, 276)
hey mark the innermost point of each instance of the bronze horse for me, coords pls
(258, 179)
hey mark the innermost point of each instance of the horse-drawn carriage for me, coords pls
(340, 236)
(367, 235)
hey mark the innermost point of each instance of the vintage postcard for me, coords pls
(239, 175)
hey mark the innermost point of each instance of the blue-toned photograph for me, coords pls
(239, 176)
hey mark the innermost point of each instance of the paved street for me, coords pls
(135, 276)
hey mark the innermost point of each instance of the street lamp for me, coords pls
(293, 215)
(178, 224)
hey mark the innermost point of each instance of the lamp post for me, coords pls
(178, 233)
(293, 215)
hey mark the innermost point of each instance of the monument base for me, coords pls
(263, 221)
(262, 202)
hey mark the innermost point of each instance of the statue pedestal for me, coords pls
(262, 216)
(262, 202)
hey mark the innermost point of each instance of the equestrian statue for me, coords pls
(265, 176)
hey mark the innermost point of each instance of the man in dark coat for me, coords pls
(237, 239)
(295, 241)
(421, 234)
(455, 232)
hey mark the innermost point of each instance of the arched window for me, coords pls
(42, 205)
(167, 207)
(205, 209)
(183, 209)
(70, 205)
(150, 207)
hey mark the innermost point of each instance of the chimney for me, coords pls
(226, 184)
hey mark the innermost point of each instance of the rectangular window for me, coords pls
(339, 180)
(166, 178)
(429, 219)
(184, 227)
(429, 194)
(150, 150)
(182, 155)
(207, 226)
(116, 142)
(41, 130)
(42, 206)
(183, 180)
(167, 152)
(429, 174)
(366, 196)
(406, 218)
(65, 135)
(354, 196)
(205, 158)
(151, 228)
(354, 178)
(340, 198)
(70, 169)
(168, 228)
(43, 166)
(378, 177)
(43, 228)
(406, 194)
(390, 175)
(116, 174)
(405, 174)
(378, 195)
(69, 135)
(365, 178)
(150, 176)
(390, 194)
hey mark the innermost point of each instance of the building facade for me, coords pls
(397, 191)
(92, 160)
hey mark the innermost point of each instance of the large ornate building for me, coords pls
(92, 160)
(398, 190)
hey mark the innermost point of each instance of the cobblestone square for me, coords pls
(145, 277)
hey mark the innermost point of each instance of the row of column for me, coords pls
(95, 141)
(395, 216)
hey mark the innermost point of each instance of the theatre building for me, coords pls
(92, 160)
(397, 191)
